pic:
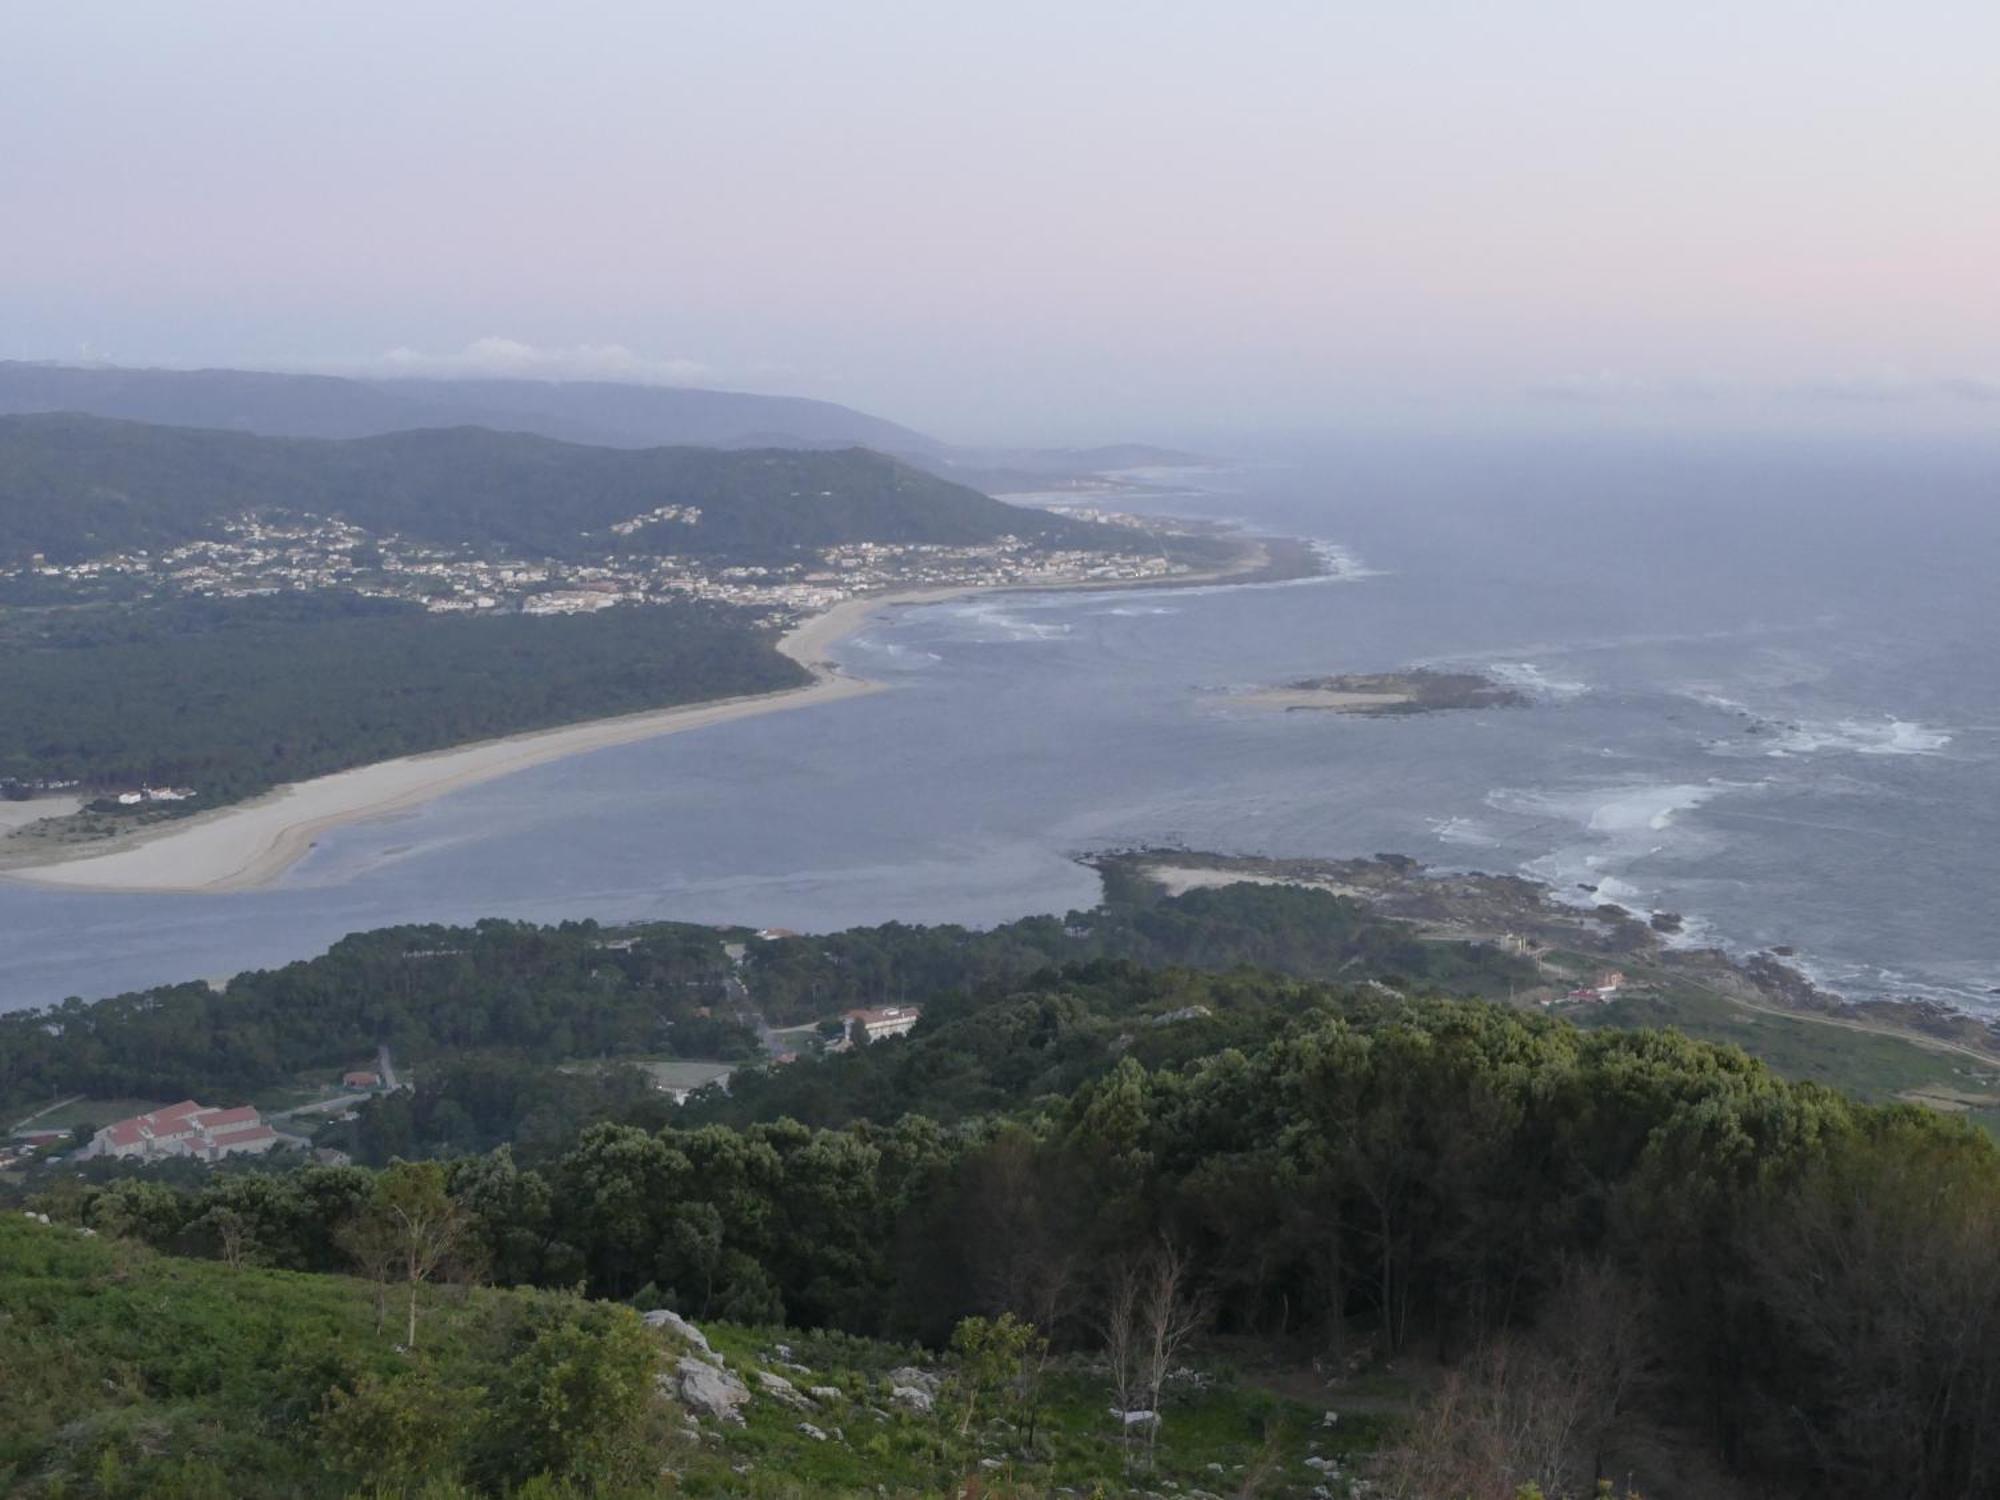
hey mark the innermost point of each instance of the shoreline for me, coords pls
(249, 845)
(1469, 906)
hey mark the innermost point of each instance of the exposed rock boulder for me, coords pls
(923, 1380)
(780, 1389)
(710, 1390)
(911, 1398)
(680, 1328)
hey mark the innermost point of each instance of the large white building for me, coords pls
(864, 1026)
(185, 1129)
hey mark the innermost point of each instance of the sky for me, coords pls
(1034, 221)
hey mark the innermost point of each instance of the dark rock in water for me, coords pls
(1416, 691)
(1785, 950)
(1667, 921)
(1612, 911)
(1590, 888)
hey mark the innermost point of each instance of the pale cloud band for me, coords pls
(497, 357)
(1608, 387)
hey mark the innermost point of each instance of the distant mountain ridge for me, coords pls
(74, 487)
(604, 414)
(600, 413)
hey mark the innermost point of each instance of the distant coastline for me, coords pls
(1666, 978)
(251, 844)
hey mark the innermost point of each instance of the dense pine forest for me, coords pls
(231, 697)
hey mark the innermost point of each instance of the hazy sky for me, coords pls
(1018, 220)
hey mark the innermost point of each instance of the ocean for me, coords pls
(1764, 684)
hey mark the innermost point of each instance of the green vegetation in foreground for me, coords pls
(1609, 1244)
(232, 697)
(1600, 1237)
(125, 1373)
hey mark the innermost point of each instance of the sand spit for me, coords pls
(251, 844)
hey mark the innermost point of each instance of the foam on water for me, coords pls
(1338, 564)
(1888, 736)
(1776, 739)
(997, 623)
(893, 651)
(1612, 829)
(1534, 681)
(1464, 833)
(1650, 808)
(1341, 563)
(1855, 979)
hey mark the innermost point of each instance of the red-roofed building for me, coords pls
(185, 1129)
(360, 1080)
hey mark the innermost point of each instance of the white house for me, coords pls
(888, 1020)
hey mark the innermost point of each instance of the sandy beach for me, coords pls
(252, 843)
(1322, 699)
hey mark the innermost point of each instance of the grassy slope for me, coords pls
(1870, 1065)
(125, 1373)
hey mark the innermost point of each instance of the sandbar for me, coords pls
(251, 844)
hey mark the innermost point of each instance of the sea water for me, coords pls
(1762, 683)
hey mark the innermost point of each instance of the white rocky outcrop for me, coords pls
(710, 1390)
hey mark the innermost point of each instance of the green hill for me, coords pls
(74, 487)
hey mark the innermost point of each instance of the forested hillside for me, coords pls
(543, 994)
(73, 488)
(1555, 1254)
(234, 696)
(1598, 1235)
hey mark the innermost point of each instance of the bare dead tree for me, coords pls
(1119, 1324)
(1532, 1408)
(1150, 1311)
(1171, 1311)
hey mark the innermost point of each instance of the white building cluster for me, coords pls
(264, 555)
(185, 1129)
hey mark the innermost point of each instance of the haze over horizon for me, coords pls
(1036, 223)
